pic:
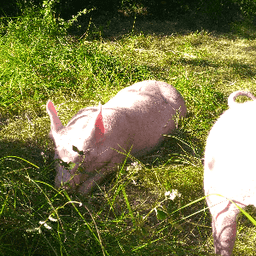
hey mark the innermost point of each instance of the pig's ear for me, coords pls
(55, 121)
(99, 126)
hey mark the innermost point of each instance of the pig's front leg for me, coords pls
(95, 178)
(87, 186)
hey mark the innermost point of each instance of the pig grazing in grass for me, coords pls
(96, 139)
(230, 169)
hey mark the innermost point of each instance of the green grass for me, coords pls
(129, 214)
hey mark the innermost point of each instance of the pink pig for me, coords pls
(96, 139)
(230, 169)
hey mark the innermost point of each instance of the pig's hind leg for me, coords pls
(224, 227)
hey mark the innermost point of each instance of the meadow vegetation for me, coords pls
(152, 205)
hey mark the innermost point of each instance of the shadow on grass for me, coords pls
(33, 207)
(114, 28)
(244, 70)
(21, 149)
(18, 155)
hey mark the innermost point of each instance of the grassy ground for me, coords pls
(132, 213)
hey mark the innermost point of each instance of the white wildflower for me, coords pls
(172, 195)
(134, 166)
(52, 219)
(45, 224)
(75, 202)
(167, 193)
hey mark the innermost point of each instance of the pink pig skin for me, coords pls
(230, 169)
(136, 118)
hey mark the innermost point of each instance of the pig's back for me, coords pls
(144, 111)
(230, 167)
(145, 93)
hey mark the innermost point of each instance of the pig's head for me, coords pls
(76, 145)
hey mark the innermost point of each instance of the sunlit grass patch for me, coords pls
(152, 205)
